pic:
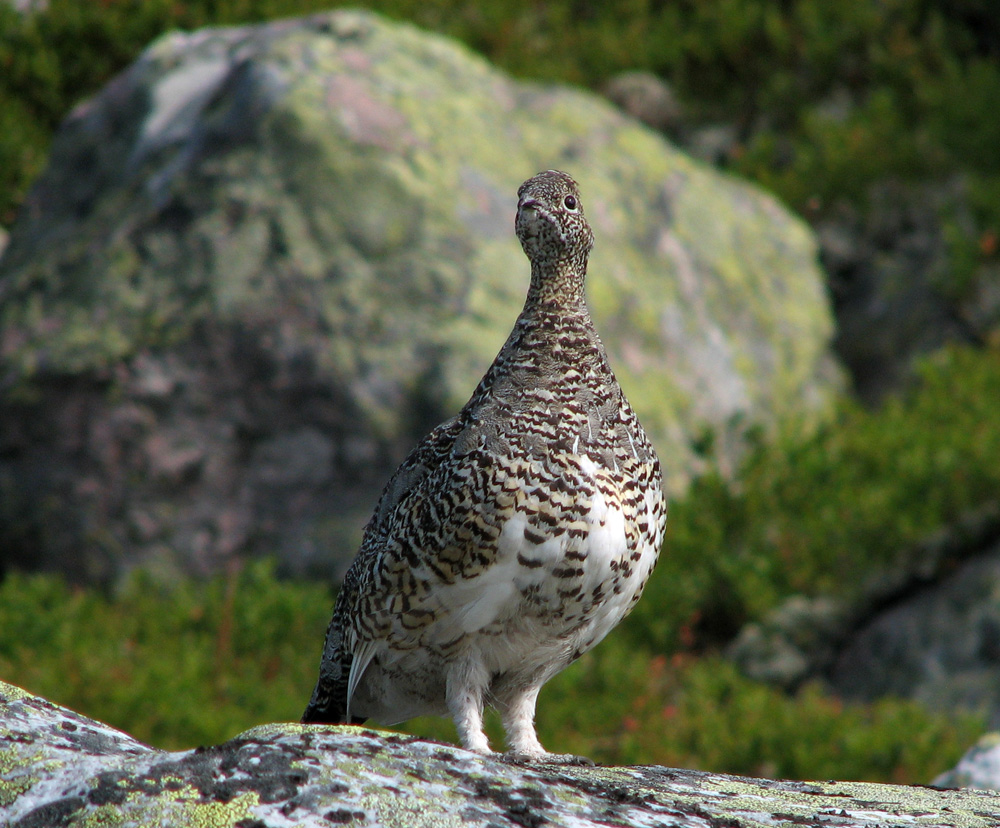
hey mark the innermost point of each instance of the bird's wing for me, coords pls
(429, 454)
(439, 556)
(358, 626)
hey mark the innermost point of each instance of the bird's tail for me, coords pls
(328, 704)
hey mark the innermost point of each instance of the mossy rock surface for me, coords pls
(56, 767)
(264, 260)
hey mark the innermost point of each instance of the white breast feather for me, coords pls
(606, 540)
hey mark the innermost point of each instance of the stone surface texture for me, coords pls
(978, 768)
(57, 768)
(940, 646)
(899, 289)
(264, 261)
(927, 629)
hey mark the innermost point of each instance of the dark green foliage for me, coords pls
(199, 663)
(824, 515)
(620, 707)
(178, 667)
(700, 713)
(828, 96)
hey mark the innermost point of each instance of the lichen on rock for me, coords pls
(58, 768)
(305, 228)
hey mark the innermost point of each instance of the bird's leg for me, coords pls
(465, 689)
(518, 715)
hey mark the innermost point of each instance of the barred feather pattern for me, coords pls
(516, 535)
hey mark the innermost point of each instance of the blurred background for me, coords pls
(203, 386)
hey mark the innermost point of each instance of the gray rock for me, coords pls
(62, 769)
(646, 97)
(264, 261)
(793, 643)
(899, 289)
(928, 628)
(28, 5)
(713, 143)
(978, 768)
(940, 646)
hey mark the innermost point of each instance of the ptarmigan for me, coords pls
(516, 535)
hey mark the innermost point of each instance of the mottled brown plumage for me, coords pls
(517, 534)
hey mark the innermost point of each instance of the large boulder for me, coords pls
(927, 629)
(263, 261)
(60, 768)
(903, 281)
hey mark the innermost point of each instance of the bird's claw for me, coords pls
(517, 758)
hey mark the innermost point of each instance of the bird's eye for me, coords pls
(570, 202)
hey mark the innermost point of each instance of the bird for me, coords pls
(516, 534)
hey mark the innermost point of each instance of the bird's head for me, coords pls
(550, 223)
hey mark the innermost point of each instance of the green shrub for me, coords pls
(200, 662)
(23, 147)
(701, 713)
(621, 706)
(922, 75)
(822, 516)
(191, 665)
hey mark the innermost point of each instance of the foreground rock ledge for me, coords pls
(58, 768)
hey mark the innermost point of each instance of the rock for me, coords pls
(940, 645)
(893, 277)
(715, 144)
(62, 769)
(264, 261)
(24, 6)
(928, 629)
(647, 98)
(978, 768)
(793, 643)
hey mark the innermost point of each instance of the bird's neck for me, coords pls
(553, 342)
(557, 287)
(555, 327)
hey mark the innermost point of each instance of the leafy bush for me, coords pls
(828, 96)
(700, 713)
(198, 663)
(619, 705)
(825, 514)
(193, 664)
